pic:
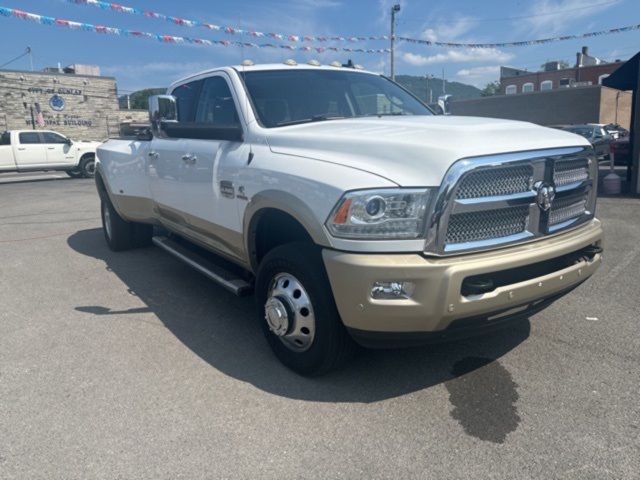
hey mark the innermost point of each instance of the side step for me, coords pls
(208, 268)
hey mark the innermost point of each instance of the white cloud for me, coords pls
(553, 16)
(479, 76)
(449, 31)
(458, 56)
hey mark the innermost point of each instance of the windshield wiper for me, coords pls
(389, 114)
(315, 118)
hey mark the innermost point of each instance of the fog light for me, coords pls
(392, 290)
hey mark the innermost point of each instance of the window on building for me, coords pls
(510, 90)
(601, 78)
(51, 137)
(29, 138)
(527, 87)
(187, 94)
(565, 82)
(546, 85)
(216, 104)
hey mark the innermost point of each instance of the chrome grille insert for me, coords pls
(478, 226)
(571, 171)
(493, 182)
(488, 202)
(566, 209)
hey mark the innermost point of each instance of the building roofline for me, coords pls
(559, 70)
(29, 72)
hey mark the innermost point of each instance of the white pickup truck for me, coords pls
(32, 150)
(350, 210)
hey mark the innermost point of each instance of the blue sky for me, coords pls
(141, 63)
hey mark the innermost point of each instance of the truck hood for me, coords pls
(413, 151)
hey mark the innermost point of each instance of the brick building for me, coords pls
(83, 106)
(588, 70)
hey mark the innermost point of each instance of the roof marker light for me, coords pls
(248, 63)
(290, 62)
(336, 64)
(357, 66)
(314, 63)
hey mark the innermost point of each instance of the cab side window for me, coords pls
(216, 105)
(50, 137)
(29, 138)
(187, 96)
(5, 138)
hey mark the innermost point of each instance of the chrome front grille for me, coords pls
(505, 199)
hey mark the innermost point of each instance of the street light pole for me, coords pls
(395, 9)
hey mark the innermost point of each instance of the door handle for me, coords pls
(189, 159)
(51, 148)
(22, 149)
(153, 155)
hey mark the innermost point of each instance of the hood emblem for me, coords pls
(545, 194)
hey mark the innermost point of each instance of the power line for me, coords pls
(24, 54)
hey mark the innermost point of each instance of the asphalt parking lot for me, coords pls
(131, 365)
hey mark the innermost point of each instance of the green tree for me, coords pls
(140, 99)
(491, 89)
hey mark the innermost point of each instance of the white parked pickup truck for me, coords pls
(352, 212)
(31, 150)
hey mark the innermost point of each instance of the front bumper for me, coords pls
(437, 305)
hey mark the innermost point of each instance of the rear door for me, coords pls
(30, 151)
(59, 152)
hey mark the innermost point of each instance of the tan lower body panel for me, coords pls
(437, 300)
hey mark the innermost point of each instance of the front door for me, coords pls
(210, 182)
(166, 165)
(59, 152)
(30, 150)
(194, 181)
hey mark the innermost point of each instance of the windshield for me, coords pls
(586, 132)
(288, 97)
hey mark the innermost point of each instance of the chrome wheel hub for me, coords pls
(289, 312)
(277, 316)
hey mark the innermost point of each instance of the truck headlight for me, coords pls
(384, 214)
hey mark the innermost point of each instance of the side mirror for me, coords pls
(444, 102)
(163, 109)
(68, 141)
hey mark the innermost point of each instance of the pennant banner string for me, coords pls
(314, 38)
(88, 27)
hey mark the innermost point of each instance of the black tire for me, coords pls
(120, 234)
(87, 166)
(74, 173)
(331, 346)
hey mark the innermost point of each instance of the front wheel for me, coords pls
(298, 313)
(87, 166)
(75, 173)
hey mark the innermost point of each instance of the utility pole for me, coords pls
(444, 86)
(429, 95)
(30, 52)
(395, 9)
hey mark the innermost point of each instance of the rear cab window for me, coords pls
(5, 138)
(29, 138)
